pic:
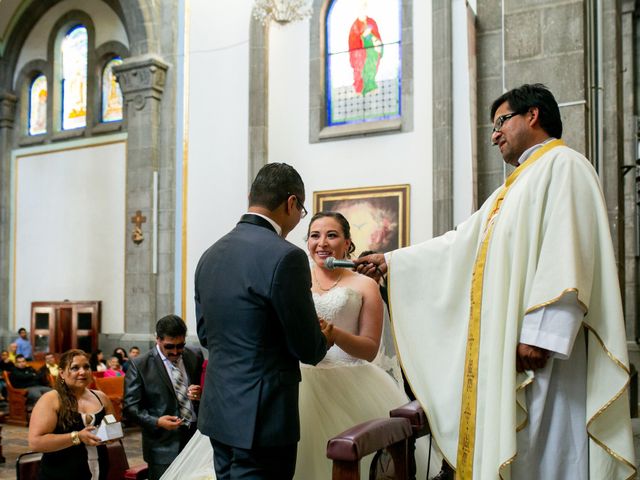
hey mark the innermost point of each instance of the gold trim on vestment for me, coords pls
(524, 423)
(468, 407)
(556, 299)
(611, 355)
(615, 455)
(522, 386)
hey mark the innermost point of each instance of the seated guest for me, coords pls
(23, 345)
(5, 361)
(122, 357)
(23, 376)
(50, 364)
(5, 365)
(97, 361)
(63, 424)
(133, 353)
(13, 348)
(114, 369)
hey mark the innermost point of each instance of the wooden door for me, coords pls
(86, 326)
(43, 321)
(60, 326)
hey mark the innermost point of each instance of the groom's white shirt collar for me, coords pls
(277, 227)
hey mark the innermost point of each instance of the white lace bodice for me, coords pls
(340, 306)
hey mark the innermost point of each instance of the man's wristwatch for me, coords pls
(75, 438)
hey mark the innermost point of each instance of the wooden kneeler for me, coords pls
(347, 449)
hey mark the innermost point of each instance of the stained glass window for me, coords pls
(363, 61)
(38, 106)
(111, 93)
(74, 78)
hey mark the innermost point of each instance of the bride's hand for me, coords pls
(327, 331)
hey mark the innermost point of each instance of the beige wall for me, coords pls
(68, 227)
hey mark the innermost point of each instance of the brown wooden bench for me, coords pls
(17, 399)
(113, 387)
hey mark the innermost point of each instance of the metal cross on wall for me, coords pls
(137, 236)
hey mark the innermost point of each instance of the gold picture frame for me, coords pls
(379, 216)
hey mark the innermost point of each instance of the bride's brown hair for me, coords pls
(344, 223)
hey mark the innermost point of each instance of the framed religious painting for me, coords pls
(379, 216)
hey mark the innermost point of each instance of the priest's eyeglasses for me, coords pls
(501, 119)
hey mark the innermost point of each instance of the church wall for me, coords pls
(68, 229)
(359, 161)
(217, 129)
(218, 138)
(109, 28)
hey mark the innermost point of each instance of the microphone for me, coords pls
(332, 263)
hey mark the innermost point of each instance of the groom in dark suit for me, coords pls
(256, 315)
(162, 393)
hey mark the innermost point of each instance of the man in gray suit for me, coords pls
(256, 315)
(162, 394)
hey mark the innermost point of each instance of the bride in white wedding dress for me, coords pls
(345, 388)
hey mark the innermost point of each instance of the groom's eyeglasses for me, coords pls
(303, 211)
(174, 346)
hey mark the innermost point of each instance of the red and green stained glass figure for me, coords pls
(365, 51)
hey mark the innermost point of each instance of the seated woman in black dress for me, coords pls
(63, 422)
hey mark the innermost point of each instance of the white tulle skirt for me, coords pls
(332, 399)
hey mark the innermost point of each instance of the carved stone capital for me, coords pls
(7, 110)
(141, 78)
(628, 6)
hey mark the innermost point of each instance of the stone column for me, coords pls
(142, 82)
(258, 98)
(442, 118)
(7, 119)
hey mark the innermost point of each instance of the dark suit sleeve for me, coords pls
(134, 395)
(291, 296)
(200, 323)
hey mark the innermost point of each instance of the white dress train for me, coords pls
(338, 393)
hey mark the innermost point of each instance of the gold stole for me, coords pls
(467, 429)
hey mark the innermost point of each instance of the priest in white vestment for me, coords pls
(510, 328)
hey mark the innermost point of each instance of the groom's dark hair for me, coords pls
(273, 184)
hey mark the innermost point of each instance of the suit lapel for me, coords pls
(162, 370)
(256, 220)
(189, 366)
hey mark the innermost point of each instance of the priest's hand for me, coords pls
(373, 266)
(529, 357)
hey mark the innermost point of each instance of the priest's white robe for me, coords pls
(548, 239)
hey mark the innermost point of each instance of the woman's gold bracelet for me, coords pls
(75, 438)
